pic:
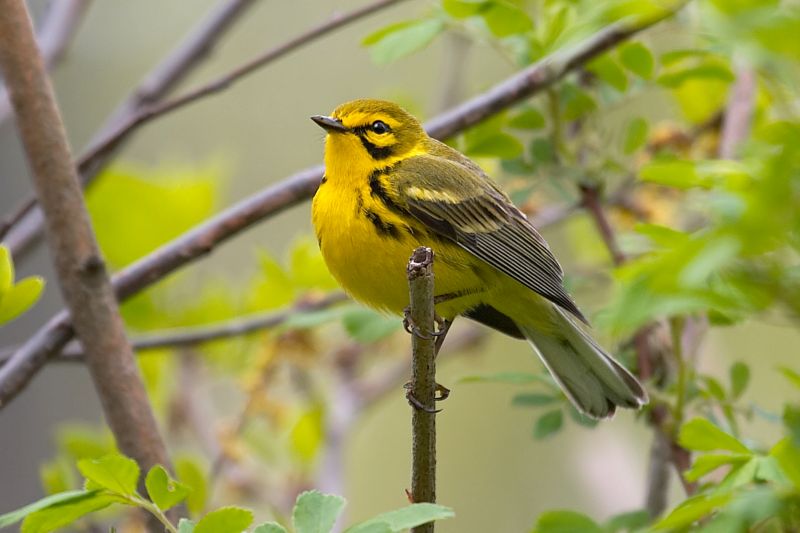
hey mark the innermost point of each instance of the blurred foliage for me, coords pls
(16, 298)
(706, 240)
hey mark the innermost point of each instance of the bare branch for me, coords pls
(423, 381)
(736, 123)
(297, 188)
(81, 272)
(142, 108)
(54, 37)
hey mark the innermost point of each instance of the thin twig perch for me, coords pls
(423, 380)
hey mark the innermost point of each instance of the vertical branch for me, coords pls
(82, 276)
(423, 380)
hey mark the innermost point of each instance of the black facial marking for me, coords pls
(324, 180)
(376, 152)
(384, 228)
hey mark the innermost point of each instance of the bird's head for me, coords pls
(375, 129)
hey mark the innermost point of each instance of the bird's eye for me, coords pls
(380, 127)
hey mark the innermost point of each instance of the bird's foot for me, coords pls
(441, 393)
(408, 324)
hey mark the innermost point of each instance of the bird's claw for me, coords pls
(412, 329)
(441, 393)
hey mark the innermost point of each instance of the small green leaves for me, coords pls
(504, 19)
(565, 522)
(499, 144)
(529, 118)
(740, 377)
(635, 135)
(637, 58)
(403, 519)
(367, 326)
(672, 173)
(225, 520)
(15, 299)
(701, 435)
(58, 515)
(402, 39)
(164, 491)
(270, 527)
(463, 8)
(192, 475)
(114, 472)
(607, 69)
(315, 512)
(13, 517)
(548, 424)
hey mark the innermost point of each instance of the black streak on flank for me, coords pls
(376, 152)
(386, 229)
(377, 191)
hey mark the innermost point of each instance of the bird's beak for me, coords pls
(329, 124)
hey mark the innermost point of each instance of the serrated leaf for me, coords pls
(13, 517)
(114, 472)
(315, 512)
(635, 135)
(404, 40)
(225, 520)
(504, 19)
(186, 526)
(535, 399)
(62, 514)
(701, 435)
(402, 519)
(164, 491)
(637, 58)
(365, 325)
(20, 297)
(528, 119)
(740, 377)
(707, 463)
(548, 424)
(500, 145)
(270, 527)
(565, 522)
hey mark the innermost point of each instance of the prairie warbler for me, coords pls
(389, 188)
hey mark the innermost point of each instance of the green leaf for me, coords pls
(225, 520)
(565, 522)
(791, 419)
(403, 519)
(672, 173)
(315, 512)
(61, 514)
(706, 71)
(504, 19)
(114, 472)
(535, 399)
(186, 526)
(692, 510)
(542, 151)
(548, 424)
(707, 463)
(635, 135)
(791, 375)
(529, 118)
(701, 435)
(191, 474)
(461, 9)
(20, 297)
(6, 271)
(739, 7)
(500, 145)
(366, 325)
(403, 39)
(630, 521)
(608, 70)
(788, 456)
(270, 527)
(164, 491)
(740, 377)
(576, 102)
(60, 498)
(637, 58)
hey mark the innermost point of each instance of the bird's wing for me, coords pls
(465, 207)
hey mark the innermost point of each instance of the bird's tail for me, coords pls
(594, 382)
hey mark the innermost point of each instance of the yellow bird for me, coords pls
(390, 188)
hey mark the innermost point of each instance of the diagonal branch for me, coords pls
(49, 340)
(82, 276)
(54, 37)
(143, 107)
